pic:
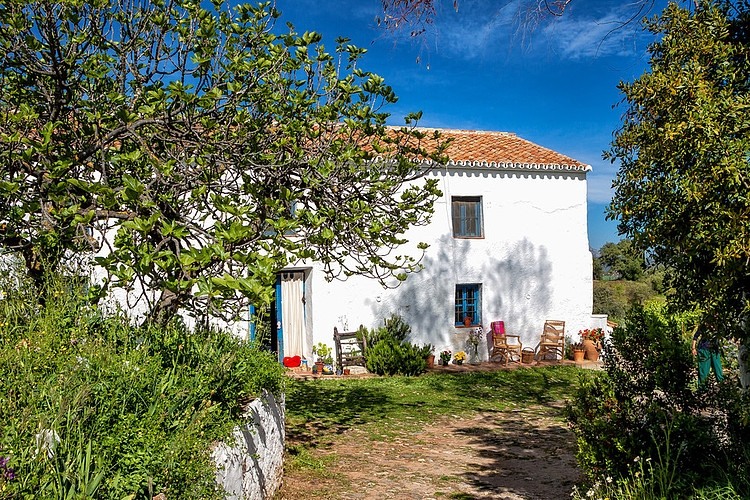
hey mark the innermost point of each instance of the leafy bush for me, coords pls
(646, 407)
(390, 353)
(615, 298)
(389, 357)
(394, 328)
(93, 407)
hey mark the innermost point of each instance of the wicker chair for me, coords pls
(552, 341)
(508, 347)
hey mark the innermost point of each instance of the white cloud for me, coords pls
(483, 29)
(607, 35)
(480, 29)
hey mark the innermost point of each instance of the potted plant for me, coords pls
(475, 338)
(429, 357)
(591, 339)
(467, 321)
(578, 352)
(459, 358)
(323, 353)
(445, 357)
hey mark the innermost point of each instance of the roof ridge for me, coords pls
(458, 130)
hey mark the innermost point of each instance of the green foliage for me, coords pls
(681, 191)
(597, 270)
(125, 412)
(646, 406)
(323, 352)
(622, 261)
(189, 166)
(389, 357)
(615, 298)
(389, 351)
(394, 328)
(397, 328)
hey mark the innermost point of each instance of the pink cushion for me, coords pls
(498, 327)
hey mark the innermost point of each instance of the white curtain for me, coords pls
(293, 313)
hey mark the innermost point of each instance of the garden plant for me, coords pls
(93, 407)
(646, 430)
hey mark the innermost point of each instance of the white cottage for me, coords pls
(508, 241)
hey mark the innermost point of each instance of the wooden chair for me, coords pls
(350, 349)
(552, 341)
(507, 346)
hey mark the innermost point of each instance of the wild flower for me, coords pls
(475, 336)
(593, 334)
(7, 474)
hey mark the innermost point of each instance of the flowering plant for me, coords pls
(475, 337)
(460, 356)
(593, 334)
(445, 357)
(7, 474)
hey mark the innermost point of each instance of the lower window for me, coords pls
(468, 304)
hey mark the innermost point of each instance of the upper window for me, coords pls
(467, 216)
(468, 304)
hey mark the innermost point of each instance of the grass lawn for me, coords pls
(386, 407)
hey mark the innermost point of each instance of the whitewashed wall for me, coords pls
(251, 467)
(534, 263)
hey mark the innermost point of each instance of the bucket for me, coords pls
(527, 355)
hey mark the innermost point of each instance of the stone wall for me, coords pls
(251, 467)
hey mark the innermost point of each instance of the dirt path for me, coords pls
(518, 454)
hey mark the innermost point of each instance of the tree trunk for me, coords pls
(165, 308)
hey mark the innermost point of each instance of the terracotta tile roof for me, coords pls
(476, 148)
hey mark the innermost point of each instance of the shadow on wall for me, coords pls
(515, 289)
(250, 463)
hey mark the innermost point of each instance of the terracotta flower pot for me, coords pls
(592, 353)
(578, 355)
(430, 360)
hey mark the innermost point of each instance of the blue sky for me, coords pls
(482, 69)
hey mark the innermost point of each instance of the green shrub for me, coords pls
(397, 328)
(615, 298)
(390, 353)
(389, 357)
(646, 407)
(127, 412)
(394, 328)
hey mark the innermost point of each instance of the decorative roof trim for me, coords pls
(492, 165)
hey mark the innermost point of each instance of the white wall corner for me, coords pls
(249, 465)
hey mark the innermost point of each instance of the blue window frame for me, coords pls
(467, 216)
(468, 303)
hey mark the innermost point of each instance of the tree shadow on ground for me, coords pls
(318, 408)
(527, 453)
(332, 408)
